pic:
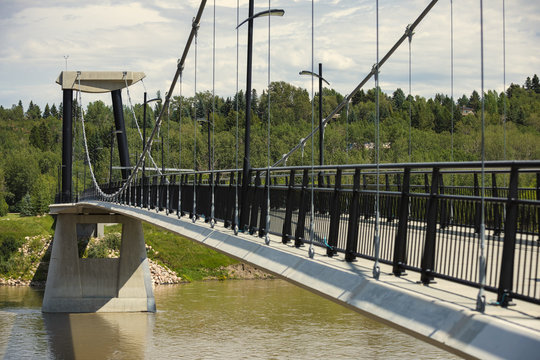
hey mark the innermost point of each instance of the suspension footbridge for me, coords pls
(405, 243)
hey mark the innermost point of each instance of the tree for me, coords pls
(33, 112)
(528, 83)
(54, 112)
(535, 85)
(41, 195)
(21, 171)
(463, 101)
(25, 206)
(47, 111)
(474, 101)
(398, 98)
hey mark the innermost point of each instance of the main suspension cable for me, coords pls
(132, 111)
(340, 106)
(96, 185)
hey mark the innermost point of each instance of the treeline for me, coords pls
(30, 140)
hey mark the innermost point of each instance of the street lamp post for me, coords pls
(321, 127)
(246, 163)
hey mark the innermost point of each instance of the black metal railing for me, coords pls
(430, 214)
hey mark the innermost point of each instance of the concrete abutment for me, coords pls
(79, 285)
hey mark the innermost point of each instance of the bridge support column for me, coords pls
(67, 128)
(121, 135)
(80, 285)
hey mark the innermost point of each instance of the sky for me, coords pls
(36, 37)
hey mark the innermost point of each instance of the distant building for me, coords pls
(466, 111)
(371, 145)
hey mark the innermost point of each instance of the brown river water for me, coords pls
(250, 319)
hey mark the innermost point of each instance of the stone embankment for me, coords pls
(245, 272)
(35, 248)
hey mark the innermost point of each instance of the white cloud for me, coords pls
(150, 36)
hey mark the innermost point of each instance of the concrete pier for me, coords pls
(79, 285)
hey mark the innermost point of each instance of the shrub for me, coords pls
(99, 250)
(112, 241)
(25, 206)
(8, 245)
(4, 208)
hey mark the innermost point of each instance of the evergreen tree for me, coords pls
(33, 112)
(528, 83)
(398, 98)
(474, 101)
(54, 112)
(25, 206)
(47, 111)
(535, 85)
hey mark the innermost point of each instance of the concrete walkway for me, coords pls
(442, 313)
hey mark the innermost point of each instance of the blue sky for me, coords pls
(149, 36)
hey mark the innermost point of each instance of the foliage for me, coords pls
(112, 240)
(25, 206)
(190, 260)
(4, 207)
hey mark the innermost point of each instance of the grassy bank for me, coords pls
(22, 242)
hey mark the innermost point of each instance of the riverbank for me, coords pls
(25, 245)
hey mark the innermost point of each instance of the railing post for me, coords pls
(263, 208)
(255, 203)
(300, 226)
(509, 245)
(400, 245)
(478, 206)
(287, 232)
(335, 214)
(428, 258)
(352, 233)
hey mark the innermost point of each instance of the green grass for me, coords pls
(190, 260)
(22, 226)
(13, 231)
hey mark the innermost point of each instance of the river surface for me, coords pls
(252, 319)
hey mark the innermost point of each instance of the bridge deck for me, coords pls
(442, 313)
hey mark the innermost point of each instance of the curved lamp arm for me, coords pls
(271, 12)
